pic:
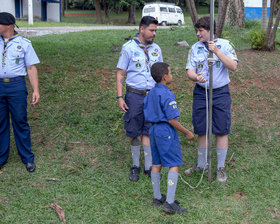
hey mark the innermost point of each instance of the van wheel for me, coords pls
(179, 23)
(163, 23)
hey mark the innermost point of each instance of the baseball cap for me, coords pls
(7, 18)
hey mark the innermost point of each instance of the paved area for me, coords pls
(39, 31)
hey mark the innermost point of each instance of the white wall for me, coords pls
(53, 12)
(36, 8)
(255, 3)
(7, 6)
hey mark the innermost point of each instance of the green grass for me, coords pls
(78, 137)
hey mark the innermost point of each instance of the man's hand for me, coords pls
(35, 97)
(200, 78)
(122, 105)
(212, 46)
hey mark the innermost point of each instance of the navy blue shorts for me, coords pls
(165, 145)
(134, 119)
(221, 111)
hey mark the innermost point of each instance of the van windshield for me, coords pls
(163, 9)
(151, 9)
(179, 10)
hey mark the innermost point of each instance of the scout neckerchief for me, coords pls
(144, 48)
(5, 47)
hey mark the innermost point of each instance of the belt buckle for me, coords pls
(6, 80)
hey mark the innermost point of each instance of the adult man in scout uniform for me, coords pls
(135, 61)
(18, 59)
(197, 70)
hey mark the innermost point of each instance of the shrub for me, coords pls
(257, 39)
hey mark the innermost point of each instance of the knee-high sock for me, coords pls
(155, 178)
(147, 156)
(201, 157)
(171, 186)
(221, 157)
(135, 151)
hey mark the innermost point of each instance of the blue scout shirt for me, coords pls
(197, 59)
(160, 105)
(18, 54)
(133, 60)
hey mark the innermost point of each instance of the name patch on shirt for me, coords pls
(200, 50)
(173, 104)
(136, 54)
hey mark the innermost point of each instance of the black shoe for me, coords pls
(173, 208)
(30, 167)
(159, 202)
(134, 173)
(148, 172)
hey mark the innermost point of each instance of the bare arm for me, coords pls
(227, 61)
(195, 77)
(33, 78)
(119, 83)
(176, 124)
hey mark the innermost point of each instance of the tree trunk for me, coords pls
(62, 7)
(235, 14)
(131, 14)
(271, 33)
(264, 14)
(98, 11)
(223, 5)
(191, 6)
(106, 8)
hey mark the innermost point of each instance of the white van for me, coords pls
(165, 13)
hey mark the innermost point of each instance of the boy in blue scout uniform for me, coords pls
(161, 110)
(18, 59)
(197, 70)
(136, 58)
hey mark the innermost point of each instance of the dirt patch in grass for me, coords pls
(105, 77)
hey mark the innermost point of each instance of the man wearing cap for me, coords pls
(18, 59)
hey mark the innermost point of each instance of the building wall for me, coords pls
(36, 8)
(253, 9)
(7, 6)
(53, 12)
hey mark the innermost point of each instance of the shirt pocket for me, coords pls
(201, 63)
(15, 57)
(138, 62)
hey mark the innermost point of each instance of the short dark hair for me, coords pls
(204, 22)
(158, 70)
(147, 20)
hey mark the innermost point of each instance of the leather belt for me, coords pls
(11, 79)
(132, 90)
(201, 87)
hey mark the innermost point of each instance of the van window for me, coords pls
(163, 9)
(151, 9)
(171, 10)
(179, 10)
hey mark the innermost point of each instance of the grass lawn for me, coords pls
(78, 138)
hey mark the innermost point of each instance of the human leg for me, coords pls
(147, 154)
(4, 131)
(155, 178)
(172, 206)
(135, 151)
(221, 149)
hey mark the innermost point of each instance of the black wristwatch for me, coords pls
(119, 97)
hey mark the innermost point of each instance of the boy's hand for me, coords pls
(190, 136)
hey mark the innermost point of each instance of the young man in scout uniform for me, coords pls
(136, 58)
(161, 110)
(197, 71)
(18, 59)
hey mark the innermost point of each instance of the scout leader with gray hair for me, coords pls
(198, 71)
(135, 61)
(18, 59)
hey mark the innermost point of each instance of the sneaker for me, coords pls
(134, 173)
(221, 175)
(159, 202)
(148, 172)
(195, 168)
(173, 208)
